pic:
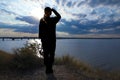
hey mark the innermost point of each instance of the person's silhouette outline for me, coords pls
(47, 33)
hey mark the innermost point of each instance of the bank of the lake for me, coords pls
(24, 65)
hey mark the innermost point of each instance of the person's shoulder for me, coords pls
(42, 19)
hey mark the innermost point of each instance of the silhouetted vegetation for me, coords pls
(23, 59)
(26, 58)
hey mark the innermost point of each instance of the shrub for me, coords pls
(26, 58)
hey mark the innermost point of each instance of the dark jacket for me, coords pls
(47, 27)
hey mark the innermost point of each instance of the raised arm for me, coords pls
(58, 16)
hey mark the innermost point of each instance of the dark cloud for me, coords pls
(79, 3)
(58, 1)
(3, 4)
(82, 15)
(27, 29)
(31, 28)
(28, 19)
(20, 28)
(67, 27)
(85, 28)
(69, 4)
(104, 2)
(7, 11)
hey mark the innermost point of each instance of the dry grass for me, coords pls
(79, 67)
(5, 59)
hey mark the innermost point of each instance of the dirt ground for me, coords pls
(60, 73)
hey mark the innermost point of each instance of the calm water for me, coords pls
(100, 53)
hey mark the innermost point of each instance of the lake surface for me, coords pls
(99, 53)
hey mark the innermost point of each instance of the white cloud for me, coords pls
(109, 29)
(94, 30)
(92, 17)
(62, 34)
(68, 16)
(74, 27)
(118, 27)
(91, 36)
(84, 21)
(103, 20)
(60, 23)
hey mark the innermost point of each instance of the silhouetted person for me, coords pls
(47, 33)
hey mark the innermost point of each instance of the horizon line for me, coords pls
(13, 38)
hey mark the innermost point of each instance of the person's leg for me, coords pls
(50, 61)
(47, 63)
(46, 55)
(49, 53)
(46, 58)
(52, 55)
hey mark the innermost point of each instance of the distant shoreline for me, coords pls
(13, 38)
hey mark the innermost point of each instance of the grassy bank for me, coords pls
(26, 59)
(22, 59)
(5, 60)
(80, 68)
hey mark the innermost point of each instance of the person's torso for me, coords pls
(48, 28)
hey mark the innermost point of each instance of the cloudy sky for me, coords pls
(80, 18)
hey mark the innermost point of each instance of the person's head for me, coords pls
(47, 11)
